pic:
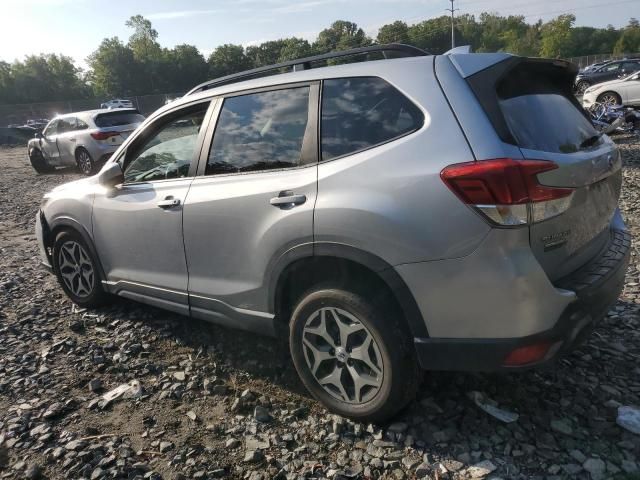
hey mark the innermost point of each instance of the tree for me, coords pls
(184, 67)
(227, 59)
(293, 48)
(396, 32)
(556, 37)
(114, 69)
(267, 53)
(629, 41)
(144, 39)
(342, 35)
(433, 35)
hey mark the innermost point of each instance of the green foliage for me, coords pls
(141, 66)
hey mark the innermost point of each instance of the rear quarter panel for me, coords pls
(389, 200)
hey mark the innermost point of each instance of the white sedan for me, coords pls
(623, 91)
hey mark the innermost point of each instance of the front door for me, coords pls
(49, 143)
(137, 226)
(252, 203)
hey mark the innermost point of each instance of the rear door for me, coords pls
(252, 201)
(537, 112)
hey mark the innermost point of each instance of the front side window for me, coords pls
(260, 131)
(358, 113)
(169, 151)
(611, 68)
(52, 128)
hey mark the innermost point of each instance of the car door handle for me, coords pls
(287, 199)
(72, 139)
(169, 202)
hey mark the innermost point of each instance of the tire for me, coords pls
(582, 86)
(387, 372)
(77, 270)
(86, 164)
(38, 161)
(610, 98)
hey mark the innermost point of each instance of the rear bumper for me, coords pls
(597, 286)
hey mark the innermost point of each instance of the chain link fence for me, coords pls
(587, 60)
(17, 115)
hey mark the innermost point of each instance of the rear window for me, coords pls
(359, 113)
(540, 113)
(117, 119)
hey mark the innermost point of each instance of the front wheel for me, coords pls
(38, 161)
(352, 356)
(85, 162)
(610, 99)
(77, 270)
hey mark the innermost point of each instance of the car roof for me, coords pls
(93, 113)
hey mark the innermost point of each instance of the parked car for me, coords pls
(609, 71)
(624, 91)
(379, 216)
(38, 123)
(86, 139)
(117, 103)
(593, 66)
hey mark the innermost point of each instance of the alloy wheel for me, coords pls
(84, 161)
(609, 99)
(342, 355)
(76, 269)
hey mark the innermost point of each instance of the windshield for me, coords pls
(117, 119)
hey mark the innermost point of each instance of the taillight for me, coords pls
(104, 135)
(507, 191)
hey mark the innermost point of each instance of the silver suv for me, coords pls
(453, 212)
(82, 139)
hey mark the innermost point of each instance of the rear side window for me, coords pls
(260, 131)
(117, 119)
(540, 113)
(362, 112)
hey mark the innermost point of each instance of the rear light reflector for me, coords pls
(104, 135)
(526, 355)
(507, 191)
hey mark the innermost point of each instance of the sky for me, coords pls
(76, 27)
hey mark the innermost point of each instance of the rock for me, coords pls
(261, 414)
(33, 472)
(629, 419)
(489, 406)
(95, 385)
(97, 473)
(76, 445)
(192, 415)
(179, 376)
(480, 469)
(398, 427)
(232, 443)
(423, 470)
(253, 456)
(165, 446)
(596, 467)
(578, 456)
(561, 426)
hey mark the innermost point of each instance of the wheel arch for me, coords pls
(617, 94)
(60, 224)
(307, 266)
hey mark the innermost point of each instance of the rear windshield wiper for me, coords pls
(592, 140)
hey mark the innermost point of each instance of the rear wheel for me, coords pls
(582, 86)
(352, 356)
(610, 98)
(38, 161)
(76, 270)
(85, 162)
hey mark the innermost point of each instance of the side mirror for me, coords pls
(110, 175)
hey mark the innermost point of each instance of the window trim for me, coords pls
(364, 149)
(309, 142)
(156, 124)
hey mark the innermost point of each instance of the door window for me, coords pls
(80, 125)
(66, 125)
(359, 113)
(168, 152)
(52, 129)
(260, 131)
(611, 67)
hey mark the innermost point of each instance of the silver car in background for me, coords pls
(85, 139)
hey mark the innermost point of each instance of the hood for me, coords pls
(81, 184)
(608, 84)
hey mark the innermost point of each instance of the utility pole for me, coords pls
(453, 30)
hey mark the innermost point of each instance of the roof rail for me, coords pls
(397, 49)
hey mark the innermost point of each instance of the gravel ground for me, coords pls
(206, 402)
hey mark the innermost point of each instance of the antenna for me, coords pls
(453, 31)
